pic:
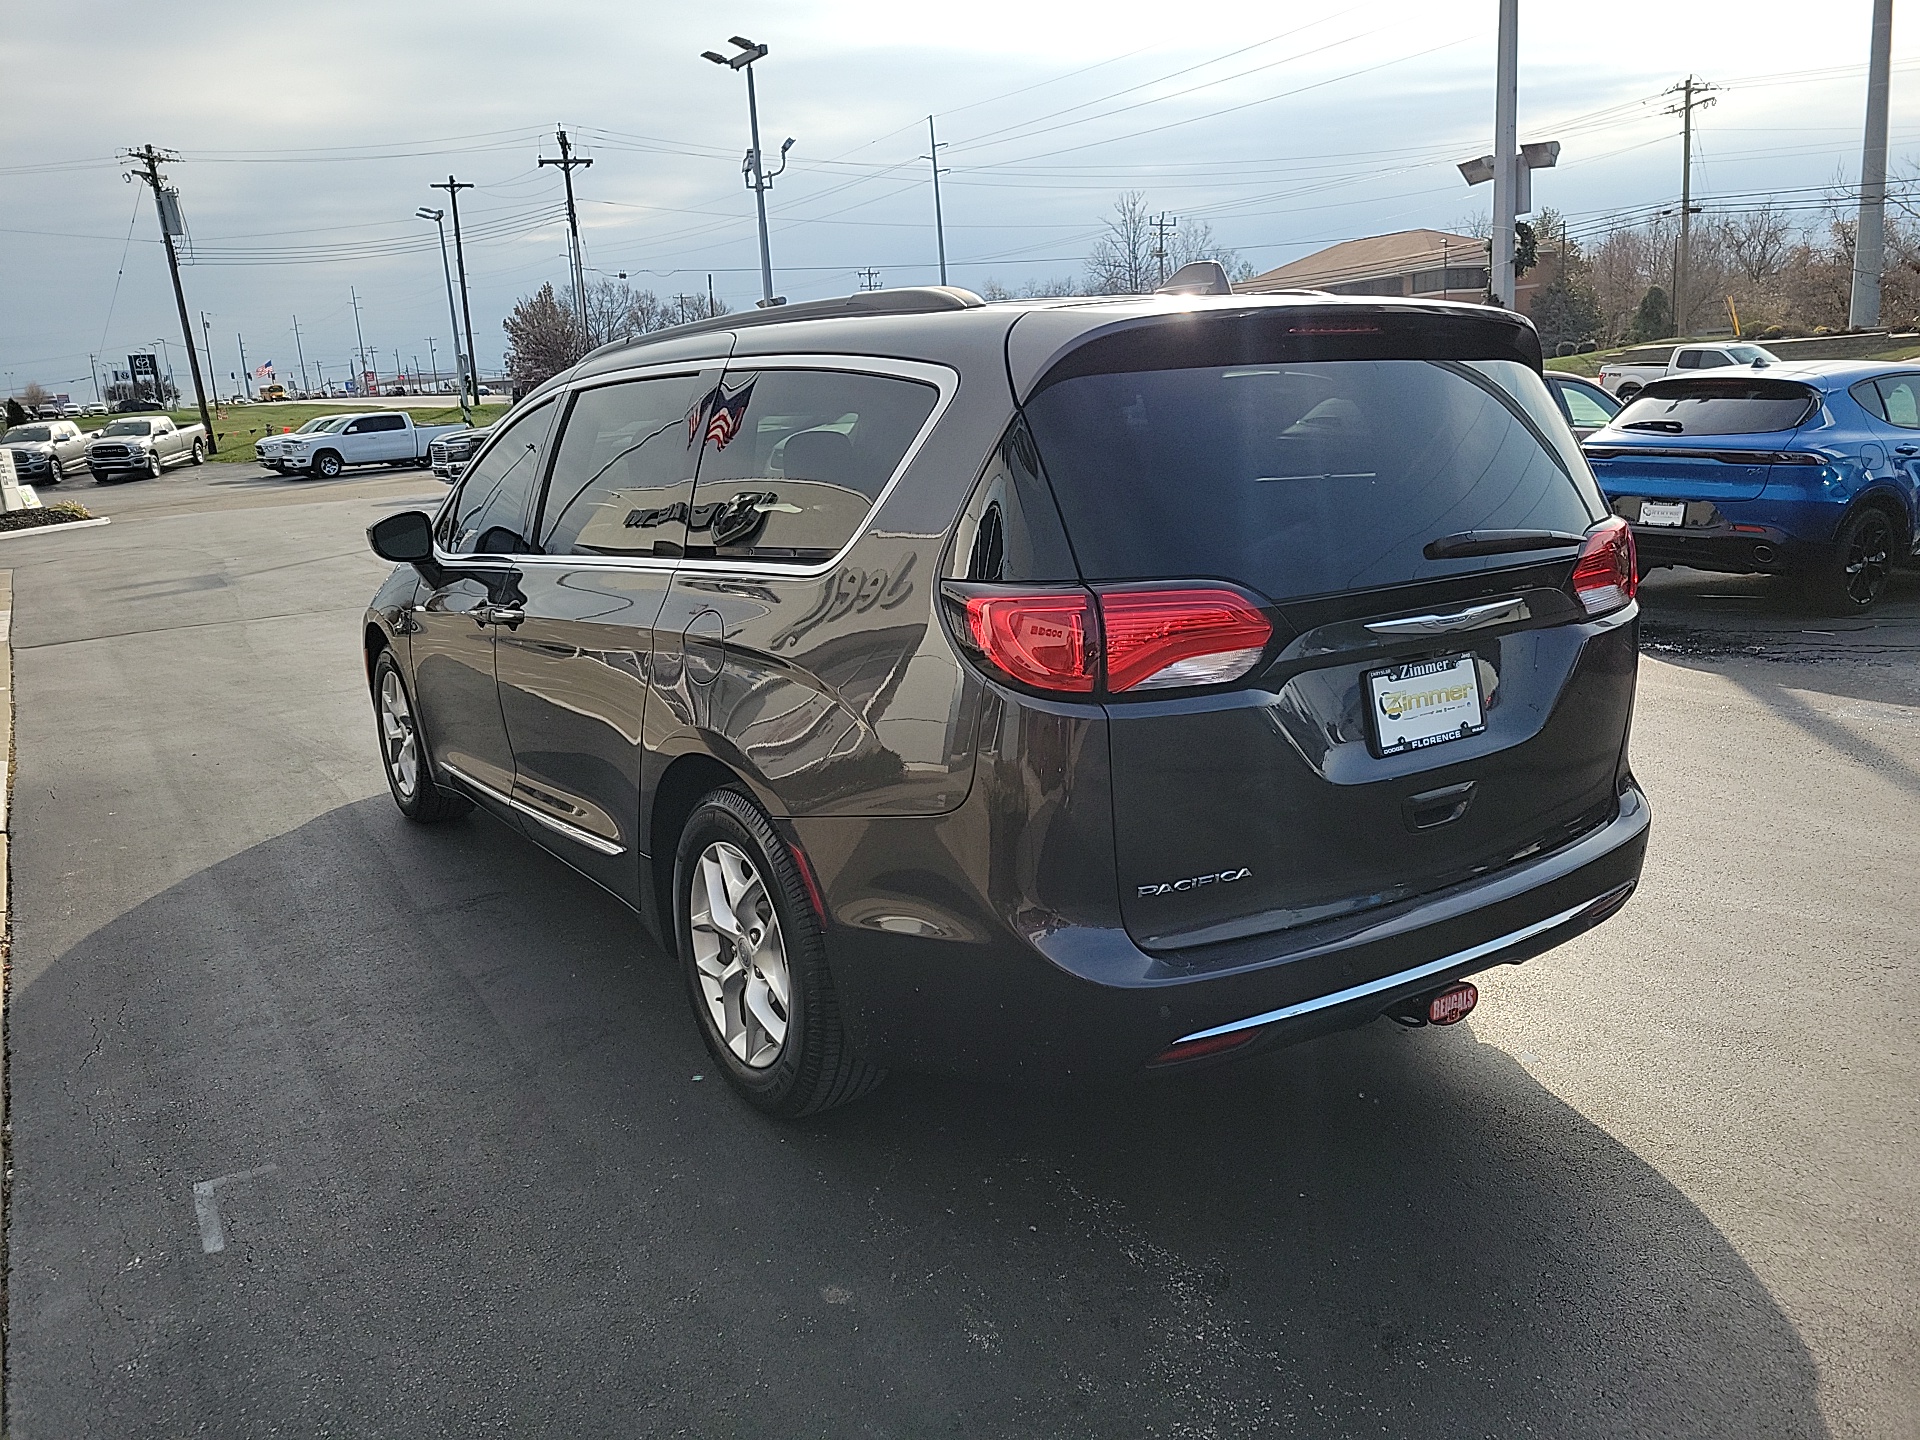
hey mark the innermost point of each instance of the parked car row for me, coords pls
(47, 452)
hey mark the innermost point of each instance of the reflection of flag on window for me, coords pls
(727, 413)
(264, 371)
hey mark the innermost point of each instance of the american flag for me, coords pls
(727, 412)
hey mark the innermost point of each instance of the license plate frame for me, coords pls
(1663, 514)
(1448, 703)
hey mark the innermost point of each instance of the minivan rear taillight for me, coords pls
(1044, 640)
(1194, 635)
(1607, 575)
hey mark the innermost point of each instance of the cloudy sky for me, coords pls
(309, 133)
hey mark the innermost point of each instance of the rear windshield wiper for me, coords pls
(1669, 427)
(1499, 542)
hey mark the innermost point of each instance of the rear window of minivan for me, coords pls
(1305, 478)
(1718, 407)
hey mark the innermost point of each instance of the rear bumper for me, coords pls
(1084, 1001)
(1766, 535)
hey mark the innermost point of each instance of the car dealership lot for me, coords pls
(468, 1171)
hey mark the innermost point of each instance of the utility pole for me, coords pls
(567, 164)
(433, 360)
(93, 369)
(167, 204)
(939, 224)
(300, 350)
(246, 375)
(360, 363)
(1693, 96)
(1506, 148)
(1870, 237)
(399, 375)
(869, 278)
(1163, 224)
(453, 188)
(759, 178)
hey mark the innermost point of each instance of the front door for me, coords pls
(478, 540)
(573, 674)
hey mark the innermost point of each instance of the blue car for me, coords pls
(1809, 470)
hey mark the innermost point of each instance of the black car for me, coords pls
(1050, 688)
(1588, 408)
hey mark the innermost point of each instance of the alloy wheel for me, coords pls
(740, 955)
(1869, 559)
(399, 743)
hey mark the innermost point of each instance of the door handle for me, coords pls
(1906, 449)
(498, 615)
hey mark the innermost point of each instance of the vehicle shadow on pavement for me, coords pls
(510, 1192)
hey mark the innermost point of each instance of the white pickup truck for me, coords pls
(1624, 381)
(383, 437)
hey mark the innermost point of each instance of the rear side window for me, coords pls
(1584, 407)
(1718, 407)
(1902, 407)
(623, 473)
(1305, 478)
(794, 459)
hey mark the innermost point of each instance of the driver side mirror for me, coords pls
(405, 538)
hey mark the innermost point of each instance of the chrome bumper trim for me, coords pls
(1612, 899)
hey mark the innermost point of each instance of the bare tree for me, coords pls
(1124, 260)
(34, 395)
(543, 337)
(1757, 242)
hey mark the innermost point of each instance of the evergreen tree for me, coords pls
(1653, 320)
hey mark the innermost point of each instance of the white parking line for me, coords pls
(213, 1235)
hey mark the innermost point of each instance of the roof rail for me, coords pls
(908, 300)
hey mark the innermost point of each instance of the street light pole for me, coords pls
(759, 178)
(439, 218)
(301, 351)
(1506, 145)
(1869, 246)
(361, 362)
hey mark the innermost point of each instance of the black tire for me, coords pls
(199, 453)
(1626, 393)
(154, 467)
(1853, 575)
(328, 465)
(56, 472)
(816, 1068)
(420, 800)
(98, 478)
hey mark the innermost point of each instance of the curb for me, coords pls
(54, 530)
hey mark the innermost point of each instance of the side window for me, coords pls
(1902, 405)
(1687, 360)
(1713, 359)
(1582, 407)
(356, 427)
(489, 514)
(795, 458)
(387, 422)
(623, 469)
(1868, 394)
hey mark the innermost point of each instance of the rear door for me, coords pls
(1315, 486)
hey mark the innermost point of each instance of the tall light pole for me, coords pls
(433, 362)
(939, 224)
(759, 178)
(1506, 145)
(439, 218)
(1869, 245)
(453, 188)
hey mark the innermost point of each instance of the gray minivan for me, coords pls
(1045, 688)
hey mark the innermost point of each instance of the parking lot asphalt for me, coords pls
(469, 1173)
